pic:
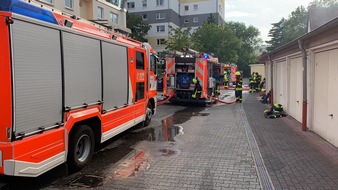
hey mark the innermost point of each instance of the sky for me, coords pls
(261, 13)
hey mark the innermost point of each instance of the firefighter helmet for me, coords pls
(194, 80)
(238, 73)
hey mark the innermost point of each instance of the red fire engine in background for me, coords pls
(66, 85)
(182, 67)
(231, 69)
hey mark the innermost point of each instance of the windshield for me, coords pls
(153, 61)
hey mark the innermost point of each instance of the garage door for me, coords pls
(296, 89)
(280, 87)
(325, 96)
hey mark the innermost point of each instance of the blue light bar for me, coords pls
(27, 9)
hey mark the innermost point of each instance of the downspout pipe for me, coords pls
(271, 70)
(304, 114)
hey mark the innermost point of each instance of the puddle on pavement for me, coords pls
(186, 114)
(133, 163)
(120, 160)
(87, 181)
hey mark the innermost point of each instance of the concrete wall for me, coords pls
(260, 68)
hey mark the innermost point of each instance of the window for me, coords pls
(144, 17)
(99, 12)
(160, 16)
(161, 28)
(47, 1)
(186, 8)
(139, 60)
(139, 90)
(160, 42)
(114, 18)
(114, 2)
(195, 19)
(131, 5)
(69, 3)
(195, 7)
(159, 2)
(153, 61)
(186, 20)
(144, 3)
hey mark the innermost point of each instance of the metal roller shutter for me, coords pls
(82, 65)
(115, 75)
(37, 84)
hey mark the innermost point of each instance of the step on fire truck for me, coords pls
(186, 69)
(66, 85)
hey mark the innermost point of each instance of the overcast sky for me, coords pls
(261, 13)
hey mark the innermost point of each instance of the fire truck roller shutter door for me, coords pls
(82, 66)
(115, 75)
(37, 83)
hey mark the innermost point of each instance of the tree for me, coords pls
(276, 34)
(217, 39)
(295, 26)
(250, 41)
(138, 28)
(289, 29)
(178, 38)
(211, 19)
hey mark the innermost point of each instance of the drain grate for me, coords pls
(87, 181)
(167, 152)
(263, 175)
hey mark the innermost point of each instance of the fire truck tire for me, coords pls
(81, 148)
(149, 114)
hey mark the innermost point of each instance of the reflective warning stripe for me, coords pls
(170, 66)
(199, 70)
(233, 72)
(201, 73)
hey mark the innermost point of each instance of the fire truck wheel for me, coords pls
(149, 114)
(81, 147)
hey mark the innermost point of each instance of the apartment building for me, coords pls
(109, 13)
(161, 14)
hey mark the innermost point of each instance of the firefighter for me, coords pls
(226, 80)
(217, 77)
(254, 84)
(258, 82)
(197, 88)
(251, 82)
(238, 89)
(261, 86)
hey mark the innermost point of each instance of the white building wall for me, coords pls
(151, 5)
(107, 9)
(204, 7)
(153, 30)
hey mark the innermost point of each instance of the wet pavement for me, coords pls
(214, 147)
(294, 159)
(195, 148)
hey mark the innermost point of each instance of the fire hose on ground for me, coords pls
(160, 103)
(221, 101)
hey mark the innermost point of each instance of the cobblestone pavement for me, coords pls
(294, 159)
(233, 147)
(213, 152)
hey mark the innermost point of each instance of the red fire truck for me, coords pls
(66, 85)
(231, 69)
(182, 67)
